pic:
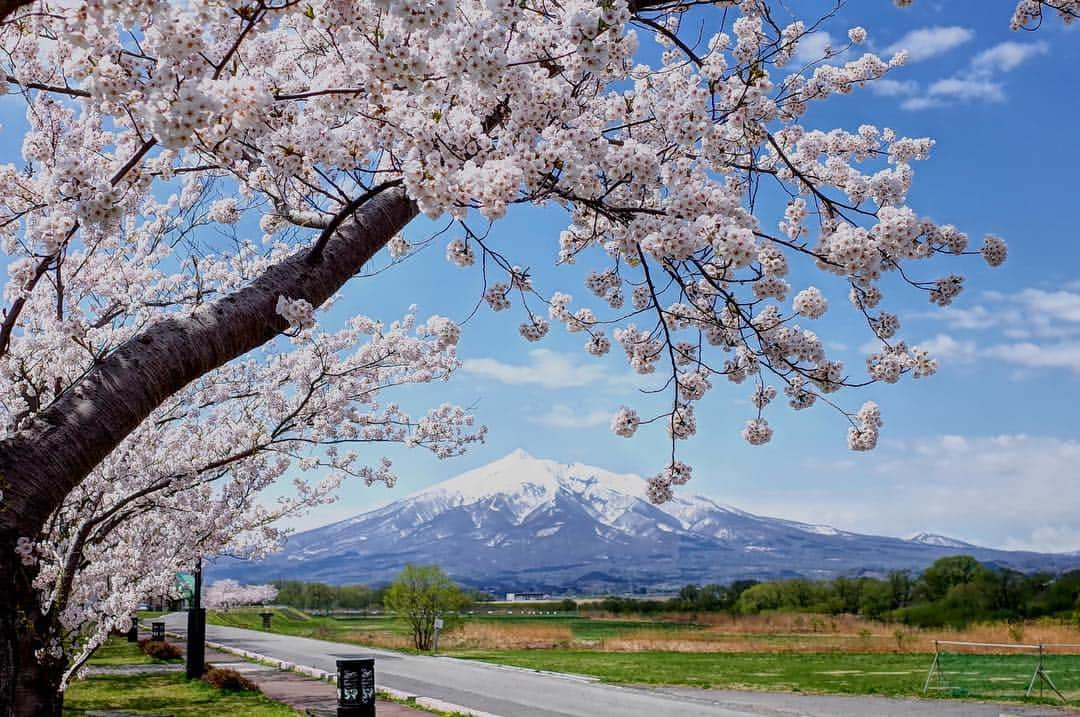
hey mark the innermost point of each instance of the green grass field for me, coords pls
(159, 693)
(293, 622)
(118, 651)
(994, 677)
(170, 694)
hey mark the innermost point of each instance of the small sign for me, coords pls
(356, 687)
(438, 623)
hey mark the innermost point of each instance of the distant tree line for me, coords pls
(954, 591)
(322, 597)
(691, 598)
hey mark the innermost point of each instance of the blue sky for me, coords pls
(986, 450)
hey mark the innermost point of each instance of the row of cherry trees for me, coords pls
(161, 362)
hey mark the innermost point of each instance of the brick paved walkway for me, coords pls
(297, 691)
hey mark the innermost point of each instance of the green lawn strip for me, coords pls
(118, 651)
(322, 627)
(983, 676)
(169, 693)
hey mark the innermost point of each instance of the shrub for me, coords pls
(161, 650)
(226, 679)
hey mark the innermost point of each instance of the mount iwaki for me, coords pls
(524, 523)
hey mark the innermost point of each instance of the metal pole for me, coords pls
(196, 633)
(933, 666)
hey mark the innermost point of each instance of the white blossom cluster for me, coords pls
(298, 312)
(1029, 13)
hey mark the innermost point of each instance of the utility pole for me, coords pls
(196, 630)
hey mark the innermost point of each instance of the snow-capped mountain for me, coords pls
(943, 541)
(524, 523)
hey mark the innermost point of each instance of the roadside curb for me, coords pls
(323, 675)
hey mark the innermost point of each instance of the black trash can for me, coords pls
(356, 687)
(133, 632)
(157, 631)
(266, 619)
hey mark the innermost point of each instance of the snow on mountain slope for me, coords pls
(528, 523)
(939, 540)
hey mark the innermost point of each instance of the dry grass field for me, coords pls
(785, 632)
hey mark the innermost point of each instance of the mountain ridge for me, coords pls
(522, 522)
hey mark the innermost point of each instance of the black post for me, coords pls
(133, 633)
(356, 687)
(196, 630)
(157, 630)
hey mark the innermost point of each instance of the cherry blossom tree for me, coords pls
(159, 135)
(184, 483)
(223, 594)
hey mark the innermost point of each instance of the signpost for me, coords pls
(356, 687)
(438, 626)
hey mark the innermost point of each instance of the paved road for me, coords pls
(513, 692)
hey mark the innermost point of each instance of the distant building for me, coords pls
(524, 597)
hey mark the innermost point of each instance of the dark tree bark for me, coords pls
(29, 675)
(45, 460)
(8, 7)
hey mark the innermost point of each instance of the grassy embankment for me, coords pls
(159, 693)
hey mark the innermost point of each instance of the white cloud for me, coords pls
(1064, 355)
(1014, 490)
(1057, 305)
(1026, 314)
(1031, 329)
(919, 103)
(563, 416)
(927, 42)
(949, 350)
(979, 81)
(887, 87)
(813, 47)
(546, 368)
(1007, 56)
(967, 88)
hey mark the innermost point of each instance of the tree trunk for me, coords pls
(29, 675)
(46, 459)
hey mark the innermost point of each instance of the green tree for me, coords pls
(876, 599)
(901, 586)
(946, 573)
(319, 596)
(420, 594)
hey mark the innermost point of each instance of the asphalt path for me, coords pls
(515, 692)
